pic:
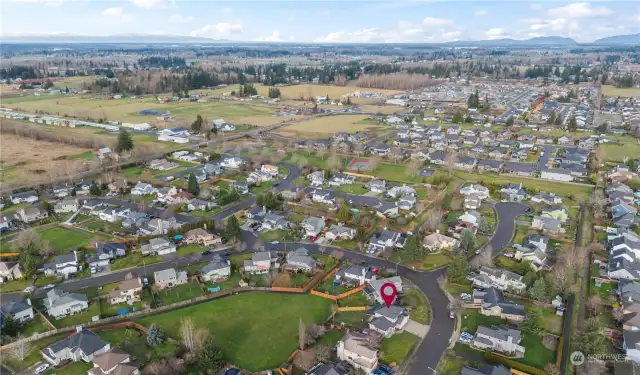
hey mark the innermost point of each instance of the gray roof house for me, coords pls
(388, 320)
(159, 246)
(81, 346)
(486, 370)
(64, 265)
(499, 338)
(24, 197)
(169, 278)
(300, 260)
(66, 205)
(59, 303)
(340, 368)
(313, 225)
(493, 304)
(218, 268)
(105, 252)
(20, 311)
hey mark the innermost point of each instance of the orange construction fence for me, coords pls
(9, 255)
(323, 295)
(350, 292)
(287, 290)
(353, 308)
(333, 272)
(225, 179)
(359, 175)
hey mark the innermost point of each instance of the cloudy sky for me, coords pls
(324, 21)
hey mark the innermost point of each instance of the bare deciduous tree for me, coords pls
(450, 162)
(30, 238)
(433, 219)
(302, 334)
(594, 304)
(552, 369)
(188, 332)
(21, 348)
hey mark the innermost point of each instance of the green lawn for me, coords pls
(355, 299)
(454, 365)
(37, 325)
(457, 289)
(15, 285)
(551, 322)
(134, 259)
(396, 348)
(118, 336)
(88, 155)
(277, 235)
(471, 319)
(179, 293)
(72, 368)
(190, 250)
(62, 239)
(144, 353)
(355, 188)
(132, 171)
(627, 147)
(536, 354)
(34, 353)
(259, 338)
(355, 319)
(330, 338)
(604, 290)
(394, 172)
(346, 244)
(430, 261)
(420, 311)
(73, 320)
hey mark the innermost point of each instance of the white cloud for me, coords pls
(119, 14)
(481, 12)
(579, 10)
(178, 18)
(326, 12)
(274, 37)
(151, 4)
(496, 33)
(429, 30)
(535, 6)
(227, 10)
(636, 18)
(530, 20)
(217, 30)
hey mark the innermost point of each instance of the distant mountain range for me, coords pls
(631, 39)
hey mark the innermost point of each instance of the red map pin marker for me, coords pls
(388, 292)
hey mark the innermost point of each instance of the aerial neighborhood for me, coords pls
(317, 208)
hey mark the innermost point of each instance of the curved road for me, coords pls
(428, 354)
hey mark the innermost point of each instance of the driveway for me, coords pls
(507, 214)
(416, 328)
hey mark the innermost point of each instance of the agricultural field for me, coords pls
(327, 125)
(609, 90)
(25, 160)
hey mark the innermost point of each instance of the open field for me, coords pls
(627, 147)
(61, 238)
(327, 125)
(609, 90)
(27, 160)
(260, 338)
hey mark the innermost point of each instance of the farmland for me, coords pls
(613, 91)
(327, 125)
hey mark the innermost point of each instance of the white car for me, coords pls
(29, 289)
(42, 368)
(275, 242)
(48, 286)
(509, 255)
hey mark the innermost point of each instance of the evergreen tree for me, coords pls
(211, 359)
(196, 126)
(590, 339)
(414, 249)
(572, 126)
(458, 269)
(232, 229)
(532, 324)
(510, 121)
(538, 290)
(467, 240)
(457, 118)
(94, 189)
(193, 187)
(125, 142)
(155, 336)
(344, 213)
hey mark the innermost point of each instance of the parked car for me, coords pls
(206, 252)
(452, 315)
(465, 296)
(29, 289)
(48, 286)
(509, 255)
(275, 242)
(386, 369)
(42, 368)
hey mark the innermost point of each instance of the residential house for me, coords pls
(261, 262)
(556, 212)
(547, 225)
(21, 311)
(272, 221)
(565, 140)
(388, 320)
(470, 217)
(513, 192)
(105, 252)
(10, 271)
(339, 232)
(118, 185)
(241, 187)
(398, 191)
(127, 291)
(547, 198)
(312, 225)
(355, 274)
(387, 209)
(478, 190)
(485, 165)
(377, 186)
(488, 277)
(113, 362)
(486, 370)
(500, 339)
(158, 226)
(176, 131)
(453, 130)
(59, 303)
(341, 179)
(143, 188)
(437, 157)
(24, 197)
(493, 304)
(372, 291)
(158, 246)
(300, 260)
(437, 242)
(232, 162)
(355, 348)
(34, 213)
(218, 269)
(465, 162)
(66, 206)
(200, 205)
(169, 278)
(180, 198)
(520, 169)
(64, 265)
(621, 174)
(340, 368)
(323, 196)
(162, 165)
(406, 202)
(104, 152)
(316, 178)
(83, 345)
(61, 191)
(386, 239)
(472, 202)
(556, 174)
(201, 237)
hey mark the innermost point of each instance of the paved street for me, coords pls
(507, 213)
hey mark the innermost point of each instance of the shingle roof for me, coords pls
(85, 340)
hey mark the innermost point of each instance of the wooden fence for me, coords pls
(352, 308)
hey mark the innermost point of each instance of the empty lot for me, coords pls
(327, 125)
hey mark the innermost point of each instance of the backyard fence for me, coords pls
(352, 308)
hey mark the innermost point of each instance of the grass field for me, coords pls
(260, 338)
(471, 319)
(83, 317)
(627, 147)
(61, 239)
(396, 348)
(609, 90)
(327, 125)
(34, 353)
(420, 311)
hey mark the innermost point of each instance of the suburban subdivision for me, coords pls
(200, 207)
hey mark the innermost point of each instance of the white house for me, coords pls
(478, 190)
(556, 174)
(389, 320)
(356, 349)
(143, 188)
(316, 178)
(499, 339)
(158, 246)
(498, 278)
(232, 162)
(83, 346)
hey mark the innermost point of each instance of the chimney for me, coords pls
(78, 329)
(205, 226)
(438, 231)
(29, 301)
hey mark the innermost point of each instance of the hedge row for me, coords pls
(495, 358)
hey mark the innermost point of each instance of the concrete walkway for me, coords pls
(416, 328)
